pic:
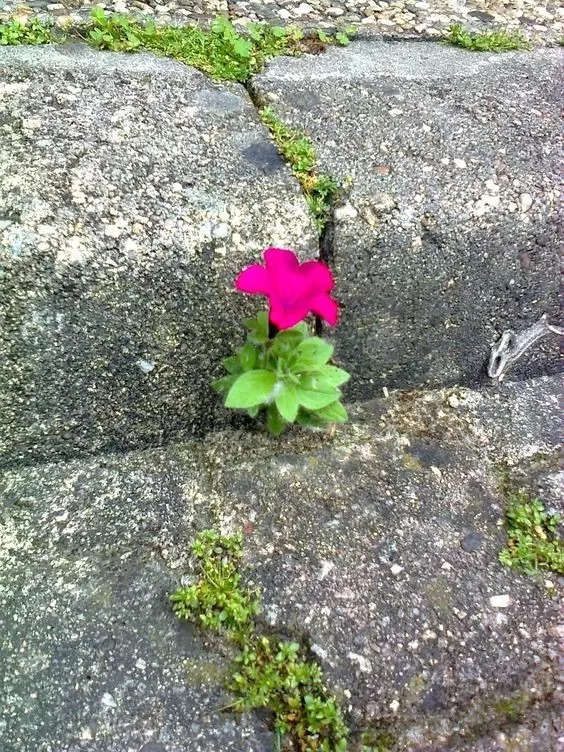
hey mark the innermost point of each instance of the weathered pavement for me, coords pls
(449, 234)
(378, 549)
(131, 191)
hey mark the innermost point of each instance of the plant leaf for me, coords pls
(250, 389)
(274, 421)
(312, 353)
(232, 364)
(287, 403)
(224, 384)
(333, 413)
(332, 376)
(248, 357)
(315, 400)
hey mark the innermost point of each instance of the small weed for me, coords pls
(217, 600)
(16, 33)
(224, 52)
(489, 41)
(267, 674)
(382, 741)
(533, 544)
(319, 189)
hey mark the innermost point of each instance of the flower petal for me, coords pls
(324, 305)
(254, 280)
(318, 275)
(286, 318)
(280, 261)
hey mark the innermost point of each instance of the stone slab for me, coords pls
(377, 548)
(132, 190)
(449, 232)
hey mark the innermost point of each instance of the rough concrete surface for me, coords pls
(378, 548)
(132, 190)
(449, 233)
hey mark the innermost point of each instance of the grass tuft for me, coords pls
(267, 673)
(489, 41)
(14, 33)
(224, 51)
(320, 190)
(533, 543)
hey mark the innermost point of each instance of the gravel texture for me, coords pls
(539, 20)
(449, 233)
(356, 544)
(132, 191)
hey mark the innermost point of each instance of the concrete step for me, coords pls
(377, 547)
(132, 191)
(449, 234)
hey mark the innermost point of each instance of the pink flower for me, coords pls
(293, 289)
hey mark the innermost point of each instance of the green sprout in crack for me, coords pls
(489, 41)
(268, 673)
(320, 190)
(533, 543)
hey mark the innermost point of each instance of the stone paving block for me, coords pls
(132, 190)
(378, 549)
(449, 234)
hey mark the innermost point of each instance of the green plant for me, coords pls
(533, 543)
(223, 51)
(267, 673)
(34, 32)
(216, 600)
(320, 190)
(287, 375)
(489, 41)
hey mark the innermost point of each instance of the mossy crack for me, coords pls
(268, 673)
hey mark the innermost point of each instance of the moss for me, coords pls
(410, 462)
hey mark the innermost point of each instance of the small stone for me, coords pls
(446, 567)
(382, 169)
(318, 651)
(472, 541)
(395, 112)
(334, 11)
(31, 123)
(492, 186)
(145, 365)
(57, 9)
(221, 230)
(436, 472)
(512, 206)
(326, 567)
(108, 701)
(112, 231)
(394, 705)
(460, 163)
(346, 211)
(428, 634)
(500, 601)
(303, 9)
(140, 664)
(453, 400)
(526, 201)
(363, 663)
(396, 569)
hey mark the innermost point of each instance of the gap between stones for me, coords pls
(320, 190)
